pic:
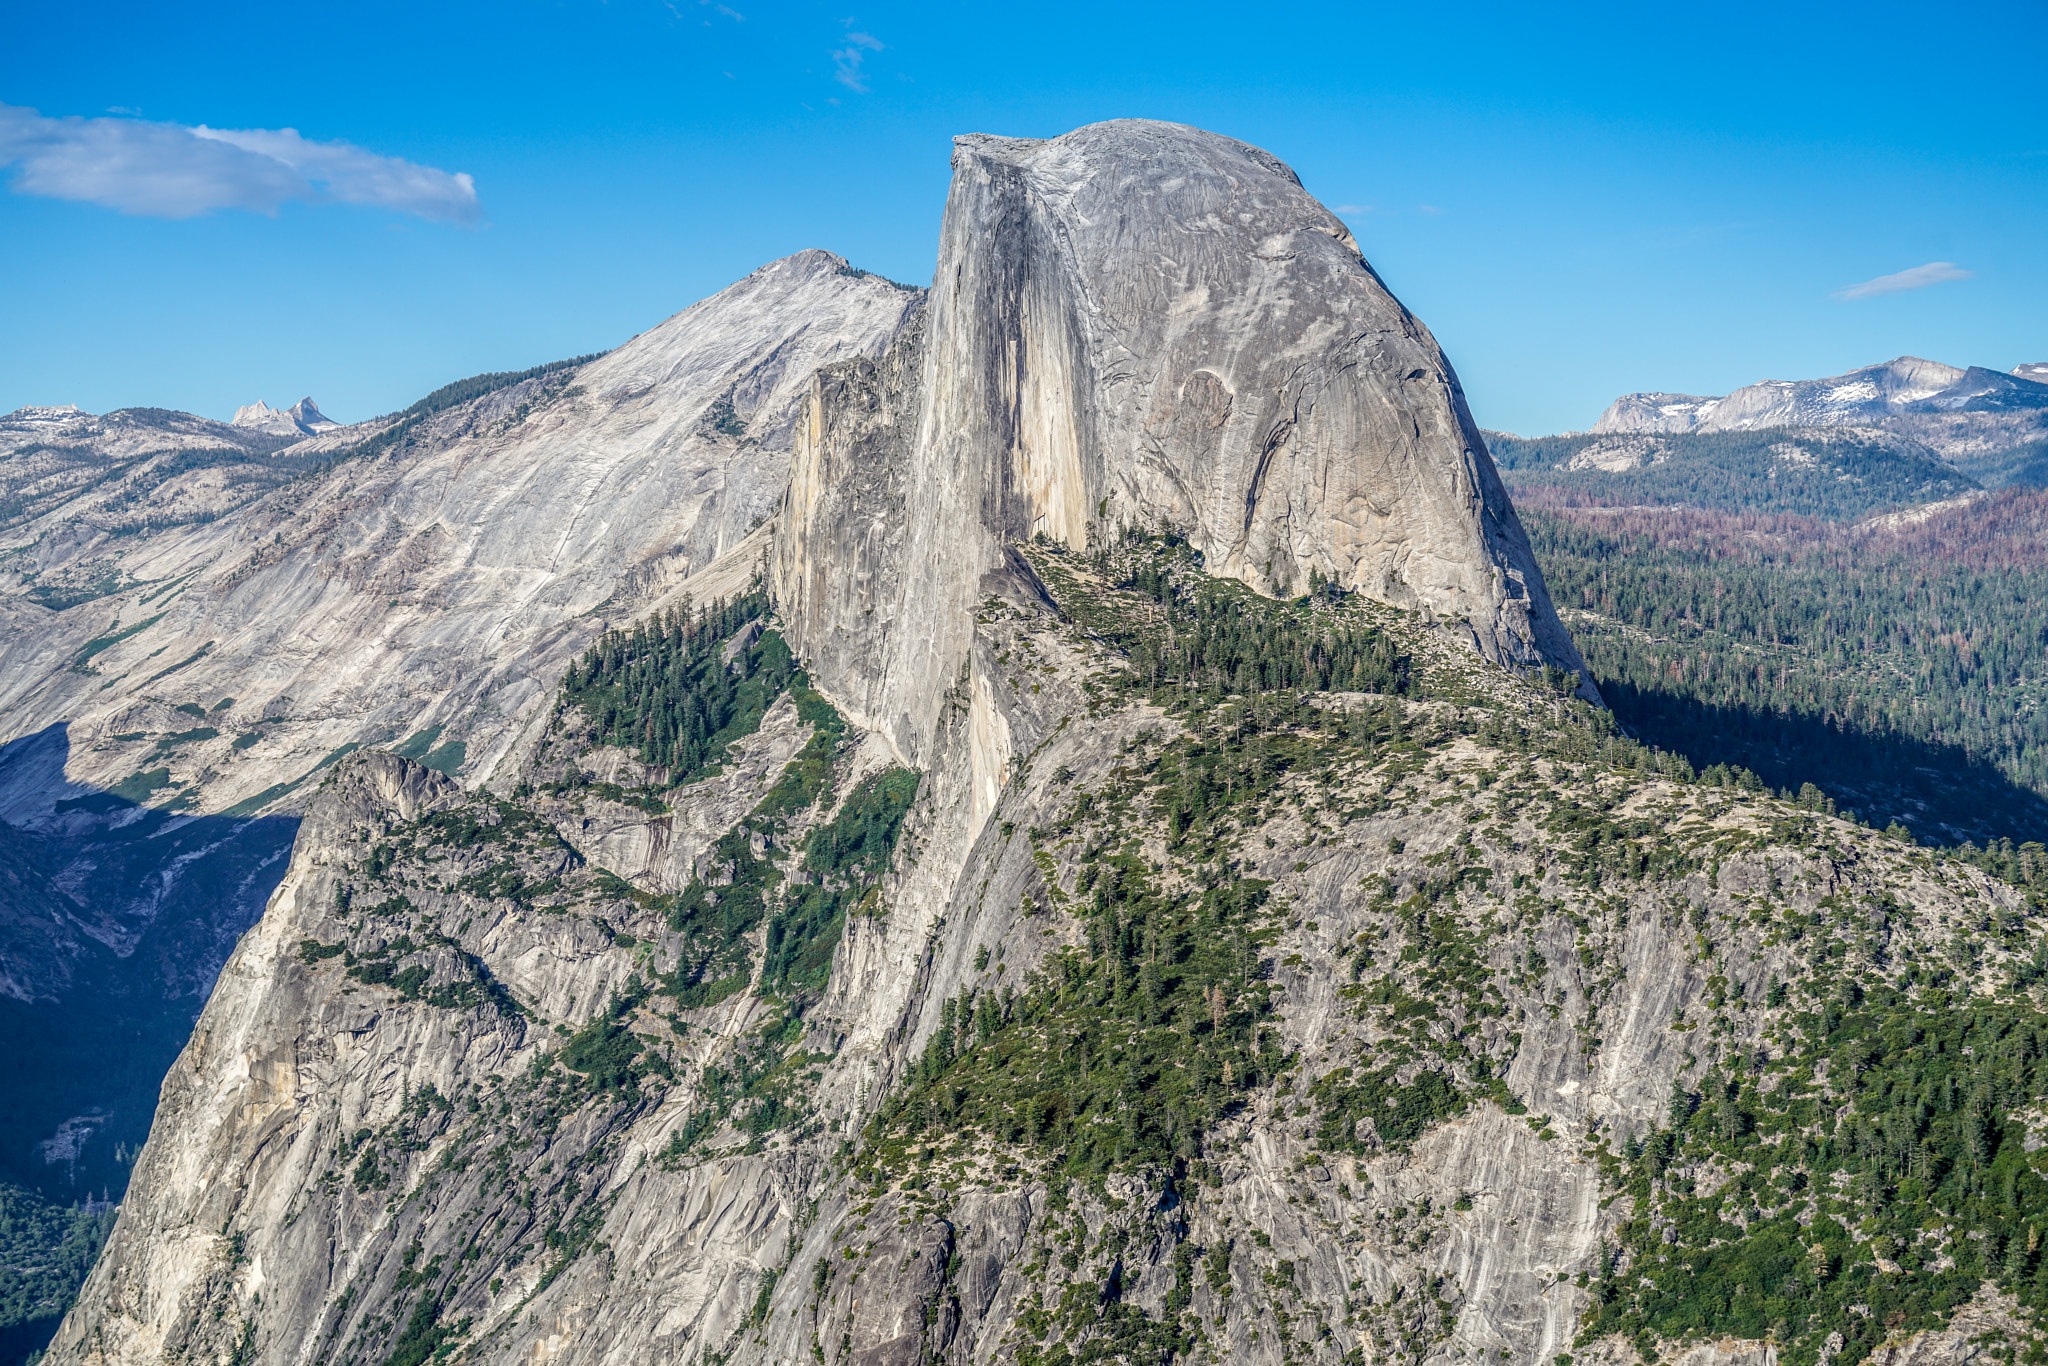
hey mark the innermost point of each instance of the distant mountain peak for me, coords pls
(302, 418)
(1873, 391)
(61, 412)
(1977, 419)
(309, 418)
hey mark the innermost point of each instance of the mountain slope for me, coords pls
(427, 591)
(1296, 1025)
(174, 690)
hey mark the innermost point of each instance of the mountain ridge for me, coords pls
(1991, 425)
(192, 618)
(303, 418)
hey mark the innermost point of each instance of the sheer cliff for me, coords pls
(1006, 929)
(1132, 324)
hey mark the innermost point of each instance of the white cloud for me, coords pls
(1349, 209)
(847, 63)
(1919, 277)
(166, 170)
(847, 60)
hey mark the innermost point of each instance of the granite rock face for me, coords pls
(1138, 323)
(432, 590)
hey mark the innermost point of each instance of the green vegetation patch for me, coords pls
(1399, 1113)
(420, 747)
(137, 787)
(113, 638)
(666, 691)
(717, 916)
(193, 658)
(45, 1251)
(1863, 1183)
(166, 743)
(760, 1089)
(843, 862)
(1223, 638)
(609, 1055)
(249, 806)
(1114, 1056)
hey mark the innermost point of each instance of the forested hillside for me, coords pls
(1838, 472)
(45, 1251)
(1899, 664)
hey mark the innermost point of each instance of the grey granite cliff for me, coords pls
(1133, 323)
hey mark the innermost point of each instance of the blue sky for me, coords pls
(1579, 201)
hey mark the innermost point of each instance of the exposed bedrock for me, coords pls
(1140, 321)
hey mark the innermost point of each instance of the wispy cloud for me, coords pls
(167, 170)
(1919, 277)
(847, 61)
(1349, 210)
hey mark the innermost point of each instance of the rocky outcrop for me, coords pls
(1140, 323)
(1655, 412)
